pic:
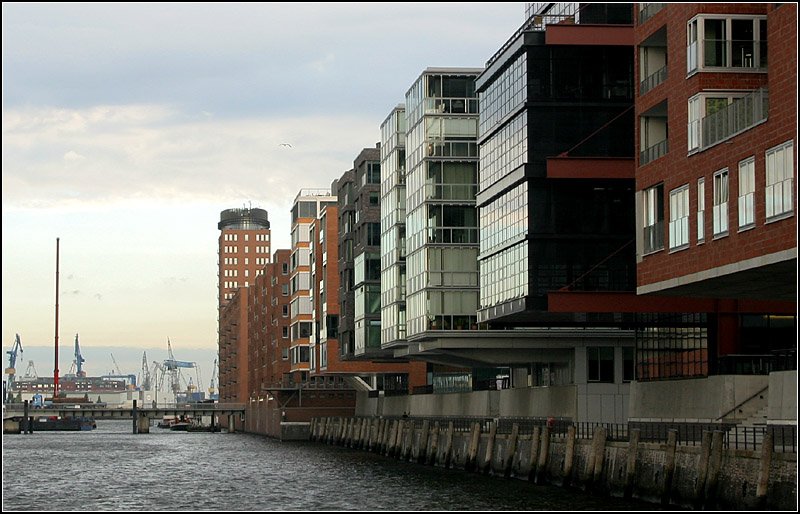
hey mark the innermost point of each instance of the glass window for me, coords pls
(780, 179)
(720, 214)
(653, 218)
(601, 364)
(679, 217)
(701, 210)
(747, 187)
(628, 364)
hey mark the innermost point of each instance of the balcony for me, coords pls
(648, 10)
(739, 116)
(653, 80)
(652, 153)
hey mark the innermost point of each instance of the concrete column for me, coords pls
(433, 443)
(669, 465)
(472, 450)
(569, 456)
(342, 430)
(231, 423)
(630, 469)
(487, 461)
(511, 449)
(312, 430)
(544, 455)
(763, 471)
(448, 444)
(534, 464)
(714, 462)
(422, 444)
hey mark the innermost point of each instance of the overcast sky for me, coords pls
(127, 128)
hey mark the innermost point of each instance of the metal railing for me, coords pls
(653, 80)
(739, 116)
(738, 437)
(648, 10)
(652, 153)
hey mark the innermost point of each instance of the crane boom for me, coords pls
(116, 366)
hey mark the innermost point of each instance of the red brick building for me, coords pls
(716, 112)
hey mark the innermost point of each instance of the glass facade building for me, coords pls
(393, 228)
(441, 182)
(540, 231)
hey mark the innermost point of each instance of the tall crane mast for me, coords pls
(11, 370)
(79, 360)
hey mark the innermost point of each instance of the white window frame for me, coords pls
(747, 193)
(780, 181)
(695, 37)
(679, 218)
(720, 209)
(701, 210)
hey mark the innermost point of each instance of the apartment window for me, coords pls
(780, 180)
(284, 268)
(285, 335)
(701, 210)
(679, 217)
(654, 219)
(285, 289)
(628, 364)
(600, 364)
(714, 41)
(747, 187)
(720, 214)
(285, 310)
(285, 353)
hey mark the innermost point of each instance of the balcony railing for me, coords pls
(736, 118)
(653, 80)
(654, 237)
(648, 10)
(654, 152)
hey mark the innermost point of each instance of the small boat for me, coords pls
(180, 424)
(166, 421)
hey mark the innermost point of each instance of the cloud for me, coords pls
(156, 152)
(98, 296)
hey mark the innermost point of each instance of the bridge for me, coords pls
(140, 416)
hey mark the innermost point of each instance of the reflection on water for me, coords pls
(112, 469)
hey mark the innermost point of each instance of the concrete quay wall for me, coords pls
(706, 476)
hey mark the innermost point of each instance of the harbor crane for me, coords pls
(212, 388)
(76, 369)
(79, 360)
(11, 370)
(173, 367)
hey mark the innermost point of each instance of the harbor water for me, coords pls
(112, 469)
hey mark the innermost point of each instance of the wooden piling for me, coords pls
(472, 450)
(544, 455)
(714, 463)
(511, 449)
(630, 469)
(487, 461)
(763, 471)
(569, 456)
(534, 464)
(669, 465)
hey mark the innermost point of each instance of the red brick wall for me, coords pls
(676, 168)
